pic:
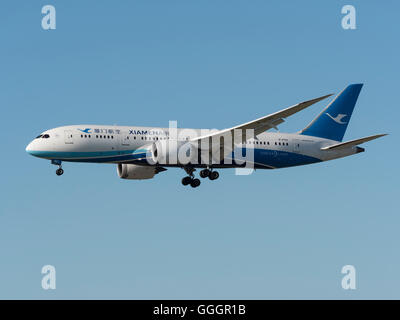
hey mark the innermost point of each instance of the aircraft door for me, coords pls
(296, 145)
(126, 139)
(68, 137)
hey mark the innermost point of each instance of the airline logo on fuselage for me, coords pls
(131, 131)
(149, 132)
(102, 130)
(87, 130)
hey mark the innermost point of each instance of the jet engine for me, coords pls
(133, 171)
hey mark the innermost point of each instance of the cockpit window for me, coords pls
(45, 136)
(39, 136)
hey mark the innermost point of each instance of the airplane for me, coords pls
(143, 152)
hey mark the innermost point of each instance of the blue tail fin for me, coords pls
(332, 122)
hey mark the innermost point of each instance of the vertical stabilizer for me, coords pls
(332, 122)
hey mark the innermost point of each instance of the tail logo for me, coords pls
(338, 118)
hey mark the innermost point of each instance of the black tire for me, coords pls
(186, 181)
(214, 175)
(204, 173)
(59, 172)
(195, 183)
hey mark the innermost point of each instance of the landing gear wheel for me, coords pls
(186, 181)
(213, 175)
(195, 183)
(205, 173)
(59, 172)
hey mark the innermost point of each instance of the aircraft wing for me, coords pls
(259, 126)
(352, 143)
(271, 121)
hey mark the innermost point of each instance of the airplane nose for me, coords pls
(29, 148)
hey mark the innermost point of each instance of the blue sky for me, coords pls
(207, 64)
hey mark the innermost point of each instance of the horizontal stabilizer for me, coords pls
(352, 143)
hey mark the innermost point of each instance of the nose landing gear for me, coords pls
(59, 171)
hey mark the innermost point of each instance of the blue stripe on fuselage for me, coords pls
(96, 156)
(281, 159)
(269, 158)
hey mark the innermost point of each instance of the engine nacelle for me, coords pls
(173, 152)
(133, 171)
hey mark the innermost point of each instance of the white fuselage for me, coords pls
(123, 144)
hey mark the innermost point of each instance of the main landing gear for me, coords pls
(190, 179)
(59, 171)
(194, 182)
(212, 175)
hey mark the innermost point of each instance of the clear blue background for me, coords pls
(207, 64)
